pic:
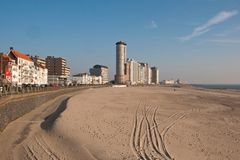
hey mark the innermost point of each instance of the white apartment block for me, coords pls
(134, 72)
(100, 70)
(24, 71)
(14, 74)
(143, 73)
(85, 78)
(40, 75)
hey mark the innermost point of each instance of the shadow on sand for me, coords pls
(48, 122)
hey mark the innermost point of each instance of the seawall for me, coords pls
(17, 107)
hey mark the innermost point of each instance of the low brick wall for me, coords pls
(12, 110)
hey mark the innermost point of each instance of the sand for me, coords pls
(129, 123)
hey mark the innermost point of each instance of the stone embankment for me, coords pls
(15, 107)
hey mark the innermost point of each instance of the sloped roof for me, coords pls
(6, 57)
(21, 55)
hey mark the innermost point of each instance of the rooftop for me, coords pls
(121, 42)
(5, 57)
(100, 66)
(20, 55)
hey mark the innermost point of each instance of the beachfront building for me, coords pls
(67, 71)
(132, 72)
(58, 72)
(41, 72)
(121, 55)
(100, 70)
(136, 72)
(40, 75)
(85, 78)
(14, 74)
(134, 68)
(143, 73)
(5, 67)
(155, 75)
(11, 71)
(168, 82)
(149, 76)
(8, 71)
(40, 61)
(97, 80)
(81, 78)
(25, 66)
(22, 70)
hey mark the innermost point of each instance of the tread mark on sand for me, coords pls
(148, 143)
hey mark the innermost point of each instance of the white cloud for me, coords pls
(219, 18)
(153, 25)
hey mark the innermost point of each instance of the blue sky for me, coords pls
(194, 40)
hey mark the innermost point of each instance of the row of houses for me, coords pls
(20, 69)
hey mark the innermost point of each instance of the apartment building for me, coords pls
(85, 78)
(40, 61)
(24, 71)
(155, 75)
(130, 71)
(143, 73)
(5, 67)
(25, 65)
(100, 70)
(58, 72)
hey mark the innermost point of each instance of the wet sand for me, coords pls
(130, 123)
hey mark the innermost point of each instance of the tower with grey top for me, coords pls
(121, 53)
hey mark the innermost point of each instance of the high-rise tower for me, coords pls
(120, 61)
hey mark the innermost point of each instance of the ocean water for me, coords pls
(219, 86)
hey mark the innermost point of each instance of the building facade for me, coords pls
(143, 73)
(121, 53)
(25, 66)
(5, 65)
(85, 79)
(58, 72)
(39, 61)
(155, 75)
(41, 72)
(100, 70)
(132, 72)
(21, 70)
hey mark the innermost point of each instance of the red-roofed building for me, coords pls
(25, 67)
(5, 67)
(21, 69)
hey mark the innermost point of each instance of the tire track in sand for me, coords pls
(44, 150)
(147, 142)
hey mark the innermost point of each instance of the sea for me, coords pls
(219, 86)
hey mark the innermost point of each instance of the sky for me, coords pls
(195, 40)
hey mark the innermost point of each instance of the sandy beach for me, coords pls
(129, 123)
